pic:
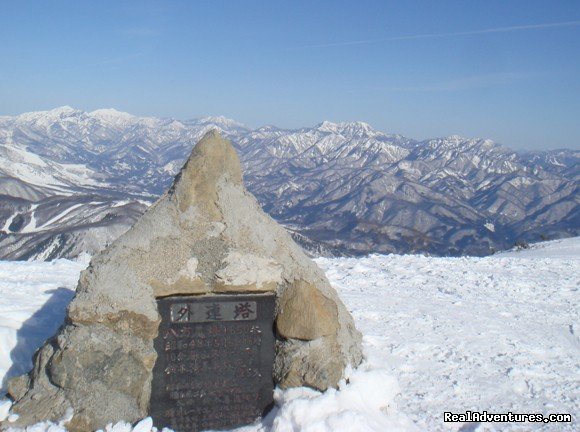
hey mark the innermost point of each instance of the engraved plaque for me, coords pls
(214, 364)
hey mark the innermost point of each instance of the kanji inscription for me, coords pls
(215, 359)
(243, 310)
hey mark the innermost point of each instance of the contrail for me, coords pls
(443, 35)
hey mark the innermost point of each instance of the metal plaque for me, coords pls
(214, 361)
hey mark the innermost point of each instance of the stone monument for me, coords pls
(205, 292)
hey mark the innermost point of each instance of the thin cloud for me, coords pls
(445, 35)
(467, 83)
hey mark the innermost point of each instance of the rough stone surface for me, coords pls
(305, 313)
(207, 234)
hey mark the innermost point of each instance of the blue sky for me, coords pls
(506, 70)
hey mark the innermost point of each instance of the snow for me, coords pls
(497, 333)
(26, 166)
(222, 121)
(61, 216)
(4, 409)
(6, 227)
(33, 298)
(493, 334)
(363, 404)
(31, 226)
(113, 116)
(45, 117)
(144, 425)
(555, 249)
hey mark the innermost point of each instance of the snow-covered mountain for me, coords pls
(72, 181)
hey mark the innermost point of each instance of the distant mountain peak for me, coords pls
(65, 109)
(354, 128)
(358, 127)
(455, 137)
(453, 141)
(327, 126)
(222, 121)
(49, 116)
(356, 124)
(111, 114)
(62, 111)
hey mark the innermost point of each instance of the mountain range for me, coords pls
(72, 181)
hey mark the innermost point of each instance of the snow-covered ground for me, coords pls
(495, 334)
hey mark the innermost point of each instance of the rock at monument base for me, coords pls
(305, 313)
(205, 235)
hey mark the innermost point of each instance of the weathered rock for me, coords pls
(207, 234)
(318, 363)
(305, 313)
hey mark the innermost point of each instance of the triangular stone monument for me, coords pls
(206, 235)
